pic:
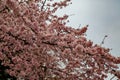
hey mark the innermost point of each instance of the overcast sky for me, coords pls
(103, 17)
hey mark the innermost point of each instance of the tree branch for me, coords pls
(4, 9)
(16, 37)
(112, 78)
(103, 40)
(43, 5)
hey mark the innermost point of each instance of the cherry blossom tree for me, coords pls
(36, 44)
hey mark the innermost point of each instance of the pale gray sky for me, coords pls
(103, 17)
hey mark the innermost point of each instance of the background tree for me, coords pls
(35, 44)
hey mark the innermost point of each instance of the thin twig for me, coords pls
(103, 40)
(79, 26)
(112, 77)
(43, 5)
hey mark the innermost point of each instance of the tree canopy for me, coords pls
(36, 44)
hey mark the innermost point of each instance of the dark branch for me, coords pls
(49, 43)
(17, 38)
(112, 78)
(4, 9)
(43, 5)
(103, 40)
